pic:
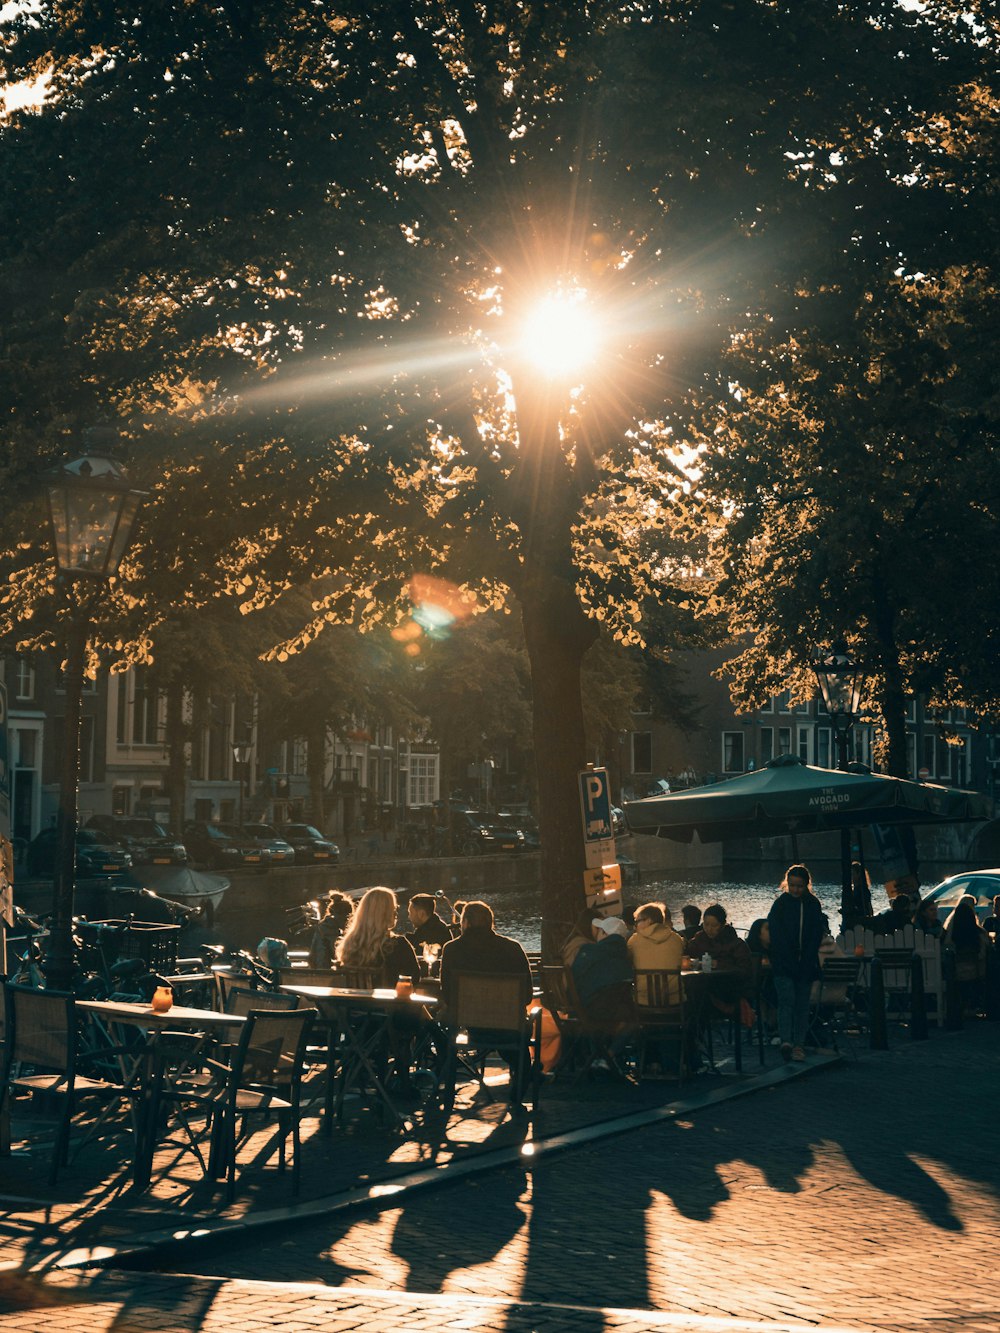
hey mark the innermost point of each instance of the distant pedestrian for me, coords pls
(796, 924)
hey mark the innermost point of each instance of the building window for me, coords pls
(642, 752)
(299, 756)
(944, 753)
(24, 680)
(784, 740)
(805, 747)
(911, 754)
(927, 755)
(137, 713)
(766, 745)
(732, 752)
(782, 702)
(423, 779)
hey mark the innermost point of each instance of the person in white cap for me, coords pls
(602, 976)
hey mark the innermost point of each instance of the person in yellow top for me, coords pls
(655, 947)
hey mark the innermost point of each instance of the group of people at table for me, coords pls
(604, 961)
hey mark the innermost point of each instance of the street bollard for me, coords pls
(952, 993)
(878, 1037)
(918, 1002)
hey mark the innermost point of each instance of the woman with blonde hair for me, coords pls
(370, 942)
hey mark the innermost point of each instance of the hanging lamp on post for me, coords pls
(93, 509)
(242, 750)
(840, 678)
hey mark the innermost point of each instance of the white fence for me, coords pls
(917, 941)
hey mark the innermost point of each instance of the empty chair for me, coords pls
(264, 1075)
(240, 1000)
(41, 1053)
(834, 1009)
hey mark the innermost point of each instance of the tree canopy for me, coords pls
(297, 252)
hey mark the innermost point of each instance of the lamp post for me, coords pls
(840, 679)
(93, 509)
(242, 751)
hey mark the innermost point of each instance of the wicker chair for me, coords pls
(310, 976)
(487, 1012)
(40, 1056)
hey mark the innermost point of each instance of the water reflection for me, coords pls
(746, 893)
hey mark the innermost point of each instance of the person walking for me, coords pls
(796, 924)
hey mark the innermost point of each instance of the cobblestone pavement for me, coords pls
(866, 1197)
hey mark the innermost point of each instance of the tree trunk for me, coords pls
(558, 635)
(893, 694)
(316, 769)
(176, 738)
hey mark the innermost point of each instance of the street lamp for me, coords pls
(242, 750)
(93, 509)
(840, 679)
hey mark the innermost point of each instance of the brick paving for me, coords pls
(864, 1197)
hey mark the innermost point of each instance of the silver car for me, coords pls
(983, 885)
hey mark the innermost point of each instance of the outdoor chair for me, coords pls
(41, 1051)
(834, 1012)
(263, 1076)
(359, 978)
(556, 996)
(659, 997)
(897, 979)
(240, 1000)
(310, 976)
(487, 1012)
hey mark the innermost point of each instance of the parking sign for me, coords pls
(595, 810)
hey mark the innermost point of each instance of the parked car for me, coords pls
(281, 852)
(309, 844)
(148, 842)
(619, 824)
(209, 844)
(95, 856)
(983, 885)
(474, 833)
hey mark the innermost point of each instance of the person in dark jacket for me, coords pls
(797, 925)
(480, 949)
(428, 928)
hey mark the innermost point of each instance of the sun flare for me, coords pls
(560, 336)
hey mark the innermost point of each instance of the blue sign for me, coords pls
(595, 803)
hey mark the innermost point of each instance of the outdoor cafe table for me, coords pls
(365, 1019)
(700, 988)
(123, 1013)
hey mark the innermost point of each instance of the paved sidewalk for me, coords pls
(864, 1196)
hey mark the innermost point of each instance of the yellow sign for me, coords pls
(603, 887)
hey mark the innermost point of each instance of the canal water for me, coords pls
(745, 895)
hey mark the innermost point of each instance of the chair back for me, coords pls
(555, 988)
(240, 1000)
(492, 1001)
(41, 1028)
(309, 976)
(358, 978)
(272, 1046)
(658, 988)
(897, 967)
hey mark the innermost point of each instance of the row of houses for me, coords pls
(374, 779)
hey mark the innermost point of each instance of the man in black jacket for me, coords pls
(480, 950)
(428, 928)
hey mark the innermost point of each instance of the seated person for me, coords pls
(336, 914)
(925, 918)
(971, 947)
(992, 923)
(602, 978)
(730, 955)
(895, 917)
(428, 928)
(479, 949)
(655, 946)
(691, 916)
(582, 933)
